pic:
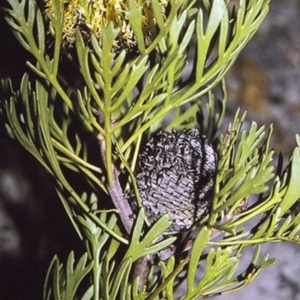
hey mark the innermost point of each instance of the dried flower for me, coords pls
(91, 16)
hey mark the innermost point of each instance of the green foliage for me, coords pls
(124, 98)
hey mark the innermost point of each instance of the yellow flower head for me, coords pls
(91, 16)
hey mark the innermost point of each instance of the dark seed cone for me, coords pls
(175, 176)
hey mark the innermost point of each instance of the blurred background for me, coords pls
(265, 80)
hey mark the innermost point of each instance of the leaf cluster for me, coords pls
(134, 94)
(272, 207)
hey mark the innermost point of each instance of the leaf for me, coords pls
(58, 276)
(88, 295)
(217, 266)
(139, 249)
(243, 171)
(75, 276)
(135, 19)
(167, 270)
(293, 191)
(121, 278)
(198, 248)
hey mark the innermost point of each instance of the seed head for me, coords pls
(175, 176)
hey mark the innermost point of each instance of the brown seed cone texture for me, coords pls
(175, 176)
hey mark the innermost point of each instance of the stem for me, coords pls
(141, 269)
(176, 271)
(114, 187)
(120, 202)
